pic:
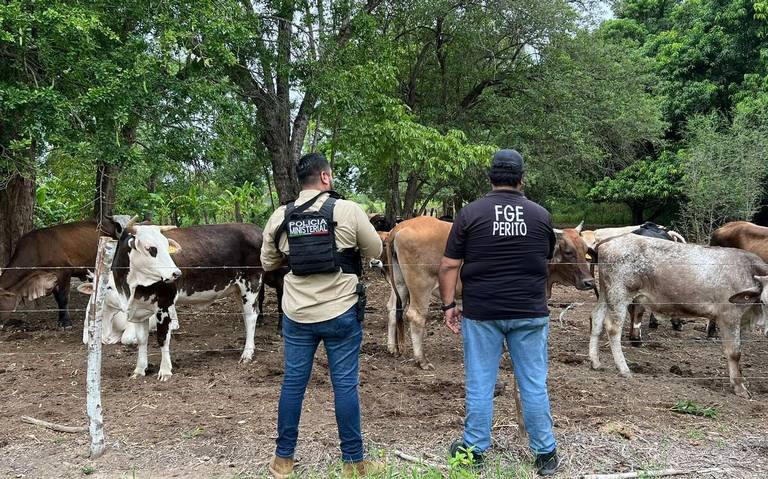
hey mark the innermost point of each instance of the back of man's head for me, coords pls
(506, 168)
(309, 167)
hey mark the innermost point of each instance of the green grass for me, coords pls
(88, 470)
(193, 433)
(690, 407)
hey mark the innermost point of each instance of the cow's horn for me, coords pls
(580, 227)
(167, 227)
(557, 231)
(130, 226)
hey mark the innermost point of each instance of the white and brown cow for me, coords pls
(722, 284)
(218, 261)
(414, 249)
(45, 260)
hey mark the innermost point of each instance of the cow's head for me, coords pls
(34, 285)
(755, 295)
(150, 255)
(570, 263)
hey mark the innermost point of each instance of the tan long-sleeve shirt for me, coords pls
(320, 297)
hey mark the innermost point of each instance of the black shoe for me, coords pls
(546, 464)
(458, 446)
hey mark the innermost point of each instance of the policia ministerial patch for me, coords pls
(308, 227)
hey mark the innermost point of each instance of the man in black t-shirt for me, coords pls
(505, 242)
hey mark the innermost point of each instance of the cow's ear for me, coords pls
(173, 246)
(751, 295)
(86, 288)
(132, 242)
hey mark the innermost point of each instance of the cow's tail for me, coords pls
(396, 279)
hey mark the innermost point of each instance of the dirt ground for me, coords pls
(216, 418)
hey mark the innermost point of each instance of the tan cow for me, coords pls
(415, 248)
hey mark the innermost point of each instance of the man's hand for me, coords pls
(453, 320)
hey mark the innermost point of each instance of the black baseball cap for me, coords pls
(508, 161)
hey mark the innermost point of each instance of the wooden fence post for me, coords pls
(106, 252)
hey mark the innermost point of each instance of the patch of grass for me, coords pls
(690, 407)
(193, 433)
(88, 470)
(696, 435)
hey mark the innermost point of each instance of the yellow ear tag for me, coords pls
(588, 257)
(172, 249)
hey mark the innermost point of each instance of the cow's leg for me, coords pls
(636, 325)
(417, 319)
(61, 294)
(392, 346)
(249, 290)
(142, 337)
(614, 323)
(711, 329)
(598, 319)
(164, 373)
(730, 332)
(262, 290)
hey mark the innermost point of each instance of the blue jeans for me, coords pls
(527, 344)
(342, 337)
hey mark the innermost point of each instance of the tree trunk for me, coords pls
(637, 213)
(151, 188)
(17, 208)
(238, 212)
(411, 195)
(106, 190)
(392, 210)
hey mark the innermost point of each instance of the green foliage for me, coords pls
(647, 182)
(691, 407)
(724, 171)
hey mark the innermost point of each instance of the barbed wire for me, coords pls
(259, 267)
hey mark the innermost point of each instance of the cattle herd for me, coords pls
(643, 268)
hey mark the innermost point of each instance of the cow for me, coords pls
(414, 249)
(45, 260)
(648, 229)
(725, 285)
(379, 222)
(218, 261)
(742, 235)
(275, 279)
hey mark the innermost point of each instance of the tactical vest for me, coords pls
(312, 240)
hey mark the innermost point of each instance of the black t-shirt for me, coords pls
(505, 241)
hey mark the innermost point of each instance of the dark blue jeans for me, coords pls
(342, 337)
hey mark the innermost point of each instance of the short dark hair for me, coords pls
(501, 177)
(309, 167)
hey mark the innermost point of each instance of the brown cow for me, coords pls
(725, 285)
(47, 259)
(742, 235)
(415, 248)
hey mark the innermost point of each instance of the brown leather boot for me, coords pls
(281, 467)
(364, 468)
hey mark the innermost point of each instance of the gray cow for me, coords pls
(722, 284)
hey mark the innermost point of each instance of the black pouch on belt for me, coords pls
(361, 300)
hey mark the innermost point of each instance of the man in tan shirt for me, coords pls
(322, 240)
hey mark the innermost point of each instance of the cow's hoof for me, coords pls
(164, 375)
(394, 351)
(596, 366)
(625, 374)
(741, 391)
(425, 365)
(246, 357)
(174, 326)
(66, 324)
(636, 342)
(137, 374)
